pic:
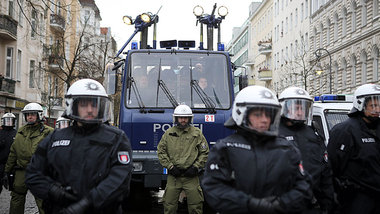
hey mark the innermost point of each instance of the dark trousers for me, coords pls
(2, 166)
(360, 202)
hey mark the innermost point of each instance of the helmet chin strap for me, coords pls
(293, 123)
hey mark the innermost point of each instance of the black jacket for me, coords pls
(314, 159)
(239, 167)
(95, 162)
(354, 153)
(7, 136)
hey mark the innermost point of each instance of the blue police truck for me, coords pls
(155, 81)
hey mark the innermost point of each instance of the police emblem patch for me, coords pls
(326, 157)
(300, 166)
(123, 157)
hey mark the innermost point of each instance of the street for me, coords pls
(5, 198)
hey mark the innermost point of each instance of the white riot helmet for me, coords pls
(87, 102)
(182, 111)
(33, 108)
(62, 123)
(365, 93)
(8, 119)
(296, 105)
(257, 99)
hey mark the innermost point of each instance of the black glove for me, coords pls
(192, 171)
(5, 181)
(77, 208)
(62, 195)
(175, 171)
(264, 205)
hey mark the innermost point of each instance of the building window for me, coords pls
(335, 69)
(363, 59)
(39, 78)
(375, 64)
(295, 17)
(353, 70)
(375, 8)
(301, 12)
(321, 36)
(328, 23)
(34, 23)
(18, 71)
(291, 22)
(336, 19)
(353, 16)
(20, 14)
(306, 8)
(32, 69)
(344, 73)
(9, 63)
(11, 8)
(56, 87)
(364, 13)
(344, 21)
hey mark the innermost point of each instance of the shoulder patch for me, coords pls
(123, 157)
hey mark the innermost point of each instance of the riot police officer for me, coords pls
(85, 168)
(25, 144)
(183, 150)
(253, 170)
(62, 123)
(295, 116)
(354, 152)
(7, 135)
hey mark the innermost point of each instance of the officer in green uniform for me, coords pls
(183, 150)
(25, 144)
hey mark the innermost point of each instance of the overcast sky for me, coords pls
(176, 19)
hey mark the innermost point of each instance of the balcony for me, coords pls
(8, 28)
(7, 85)
(57, 23)
(50, 50)
(265, 47)
(55, 62)
(265, 74)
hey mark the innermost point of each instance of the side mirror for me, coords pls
(111, 86)
(243, 81)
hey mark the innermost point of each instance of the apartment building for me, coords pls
(348, 32)
(40, 45)
(291, 21)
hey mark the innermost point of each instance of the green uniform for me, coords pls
(24, 146)
(183, 148)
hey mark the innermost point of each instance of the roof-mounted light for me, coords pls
(146, 17)
(222, 11)
(127, 20)
(198, 10)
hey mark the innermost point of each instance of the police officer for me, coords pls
(253, 170)
(7, 135)
(25, 144)
(62, 123)
(183, 150)
(85, 168)
(295, 116)
(354, 152)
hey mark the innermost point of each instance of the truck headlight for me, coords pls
(137, 166)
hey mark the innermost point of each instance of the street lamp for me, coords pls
(318, 54)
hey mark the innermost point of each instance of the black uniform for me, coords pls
(95, 162)
(240, 167)
(315, 161)
(7, 136)
(354, 152)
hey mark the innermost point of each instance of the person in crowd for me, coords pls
(7, 136)
(295, 116)
(62, 123)
(183, 151)
(254, 170)
(85, 168)
(24, 146)
(354, 152)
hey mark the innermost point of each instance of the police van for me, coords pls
(329, 110)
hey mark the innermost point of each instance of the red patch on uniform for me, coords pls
(302, 171)
(123, 157)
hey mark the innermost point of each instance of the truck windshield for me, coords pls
(177, 71)
(334, 117)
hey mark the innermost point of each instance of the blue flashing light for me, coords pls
(134, 46)
(328, 97)
(334, 98)
(316, 98)
(220, 47)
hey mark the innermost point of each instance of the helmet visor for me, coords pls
(8, 121)
(89, 109)
(263, 119)
(297, 109)
(372, 105)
